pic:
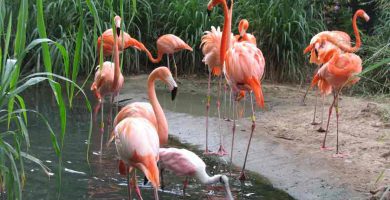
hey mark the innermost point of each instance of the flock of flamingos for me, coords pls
(140, 128)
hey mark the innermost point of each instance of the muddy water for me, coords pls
(100, 179)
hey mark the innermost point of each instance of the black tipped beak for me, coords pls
(118, 31)
(173, 93)
(229, 4)
(240, 38)
(208, 12)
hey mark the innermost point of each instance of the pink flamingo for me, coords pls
(244, 36)
(168, 44)
(186, 163)
(211, 45)
(108, 78)
(137, 132)
(339, 37)
(244, 67)
(337, 73)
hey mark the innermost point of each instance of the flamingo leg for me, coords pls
(207, 152)
(304, 96)
(101, 129)
(315, 111)
(327, 126)
(321, 129)
(242, 176)
(226, 116)
(169, 67)
(129, 184)
(156, 193)
(185, 184)
(221, 150)
(174, 62)
(135, 184)
(338, 154)
(233, 130)
(162, 178)
(230, 102)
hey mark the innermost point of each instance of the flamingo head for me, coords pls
(117, 21)
(225, 181)
(361, 13)
(243, 27)
(214, 3)
(164, 74)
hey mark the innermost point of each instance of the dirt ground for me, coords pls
(364, 133)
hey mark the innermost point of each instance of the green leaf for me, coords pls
(23, 106)
(37, 161)
(76, 60)
(42, 34)
(375, 66)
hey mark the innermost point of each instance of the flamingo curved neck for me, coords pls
(206, 179)
(227, 29)
(342, 45)
(162, 125)
(152, 59)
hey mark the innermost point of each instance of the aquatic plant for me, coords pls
(14, 135)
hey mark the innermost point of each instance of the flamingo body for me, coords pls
(137, 144)
(186, 163)
(244, 68)
(104, 81)
(339, 71)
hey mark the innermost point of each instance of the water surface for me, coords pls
(100, 179)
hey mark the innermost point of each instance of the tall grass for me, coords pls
(14, 80)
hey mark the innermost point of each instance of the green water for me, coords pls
(100, 179)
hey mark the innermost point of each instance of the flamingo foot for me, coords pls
(314, 123)
(221, 151)
(321, 130)
(339, 155)
(227, 119)
(242, 176)
(208, 152)
(324, 148)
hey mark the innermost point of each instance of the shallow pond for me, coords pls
(100, 179)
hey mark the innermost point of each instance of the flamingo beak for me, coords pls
(229, 4)
(118, 31)
(240, 38)
(173, 93)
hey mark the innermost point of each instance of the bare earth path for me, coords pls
(286, 148)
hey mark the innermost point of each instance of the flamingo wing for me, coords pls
(170, 44)
(137, 144)
(181, 161)
(244, 68)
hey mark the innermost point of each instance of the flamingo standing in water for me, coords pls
(339, 37)
(137, 134)
(244, 68)
(168, 44)
(211, 48)
(108, 78)
(337, 73)
(186, 163)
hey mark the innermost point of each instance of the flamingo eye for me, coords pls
(316, 52)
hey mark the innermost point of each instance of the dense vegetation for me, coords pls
(283, 29)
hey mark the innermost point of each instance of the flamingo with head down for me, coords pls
(168, 44)
(186, 163)
(244, 68)
(108, 78)
(339, 41)
(336, 74)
